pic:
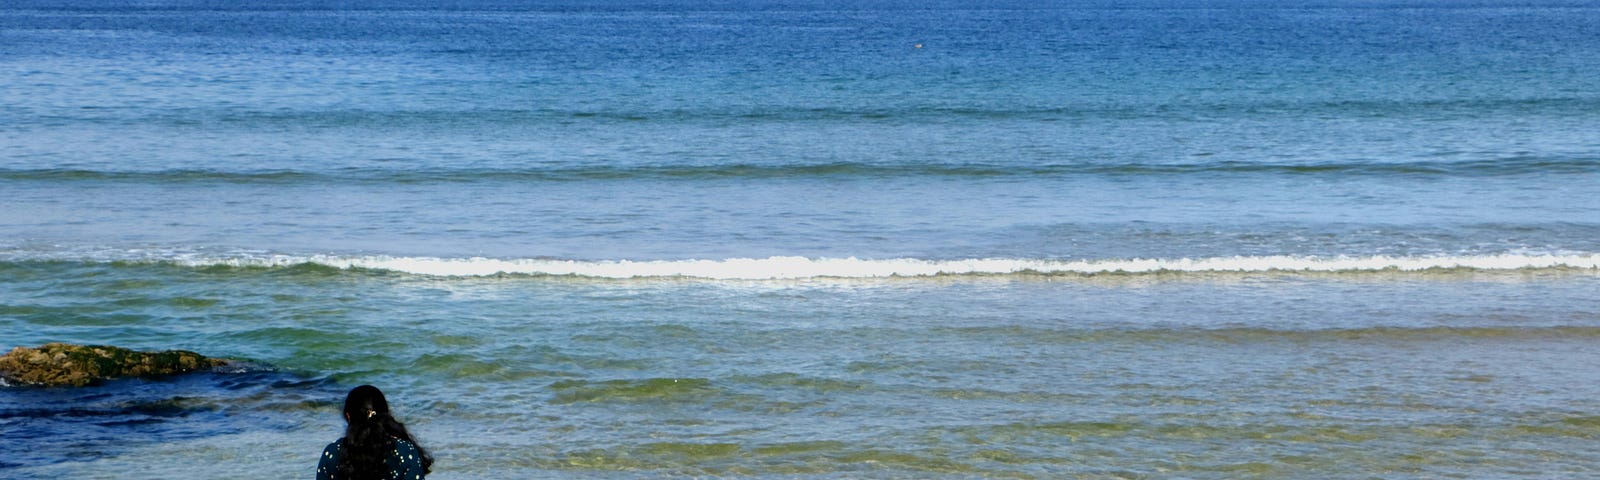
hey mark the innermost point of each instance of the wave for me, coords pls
(1238, 335)
(843, 111)
(799, 268)
(1489, 167)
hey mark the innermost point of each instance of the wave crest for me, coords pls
(790, 267)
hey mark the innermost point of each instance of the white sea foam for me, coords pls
(803, 267)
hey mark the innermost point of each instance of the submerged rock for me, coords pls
(65, 364)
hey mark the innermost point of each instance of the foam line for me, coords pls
(803, 267)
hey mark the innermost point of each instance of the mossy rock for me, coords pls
(64, 364)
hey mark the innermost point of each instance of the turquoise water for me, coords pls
(812, 239)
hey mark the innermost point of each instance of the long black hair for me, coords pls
(370, 436)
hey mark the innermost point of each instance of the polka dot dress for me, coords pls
(404, 463)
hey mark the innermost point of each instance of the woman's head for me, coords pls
(370, 434)
(364, 403)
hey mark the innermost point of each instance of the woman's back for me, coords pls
(375, 446)
(404, 462)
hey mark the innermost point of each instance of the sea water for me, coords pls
(811, 239)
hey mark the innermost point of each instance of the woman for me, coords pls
(375, 445)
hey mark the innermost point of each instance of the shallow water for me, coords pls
(1263, 374)
(781, 240)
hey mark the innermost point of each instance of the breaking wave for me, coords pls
(793, 267)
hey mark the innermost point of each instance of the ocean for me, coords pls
(620, 239)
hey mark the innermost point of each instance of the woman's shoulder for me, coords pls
(410, 464)
(331, 452)
(404, 447)
(328, 464)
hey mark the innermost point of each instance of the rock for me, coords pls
(64, 364)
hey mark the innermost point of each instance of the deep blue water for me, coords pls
(634, 239)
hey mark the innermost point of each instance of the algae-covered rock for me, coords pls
(60, 364)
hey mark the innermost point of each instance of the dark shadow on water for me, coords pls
(51, 425)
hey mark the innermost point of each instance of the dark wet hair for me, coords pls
(369, 437)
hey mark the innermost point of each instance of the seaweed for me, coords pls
(64, 364)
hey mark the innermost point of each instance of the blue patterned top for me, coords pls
(404, 463)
